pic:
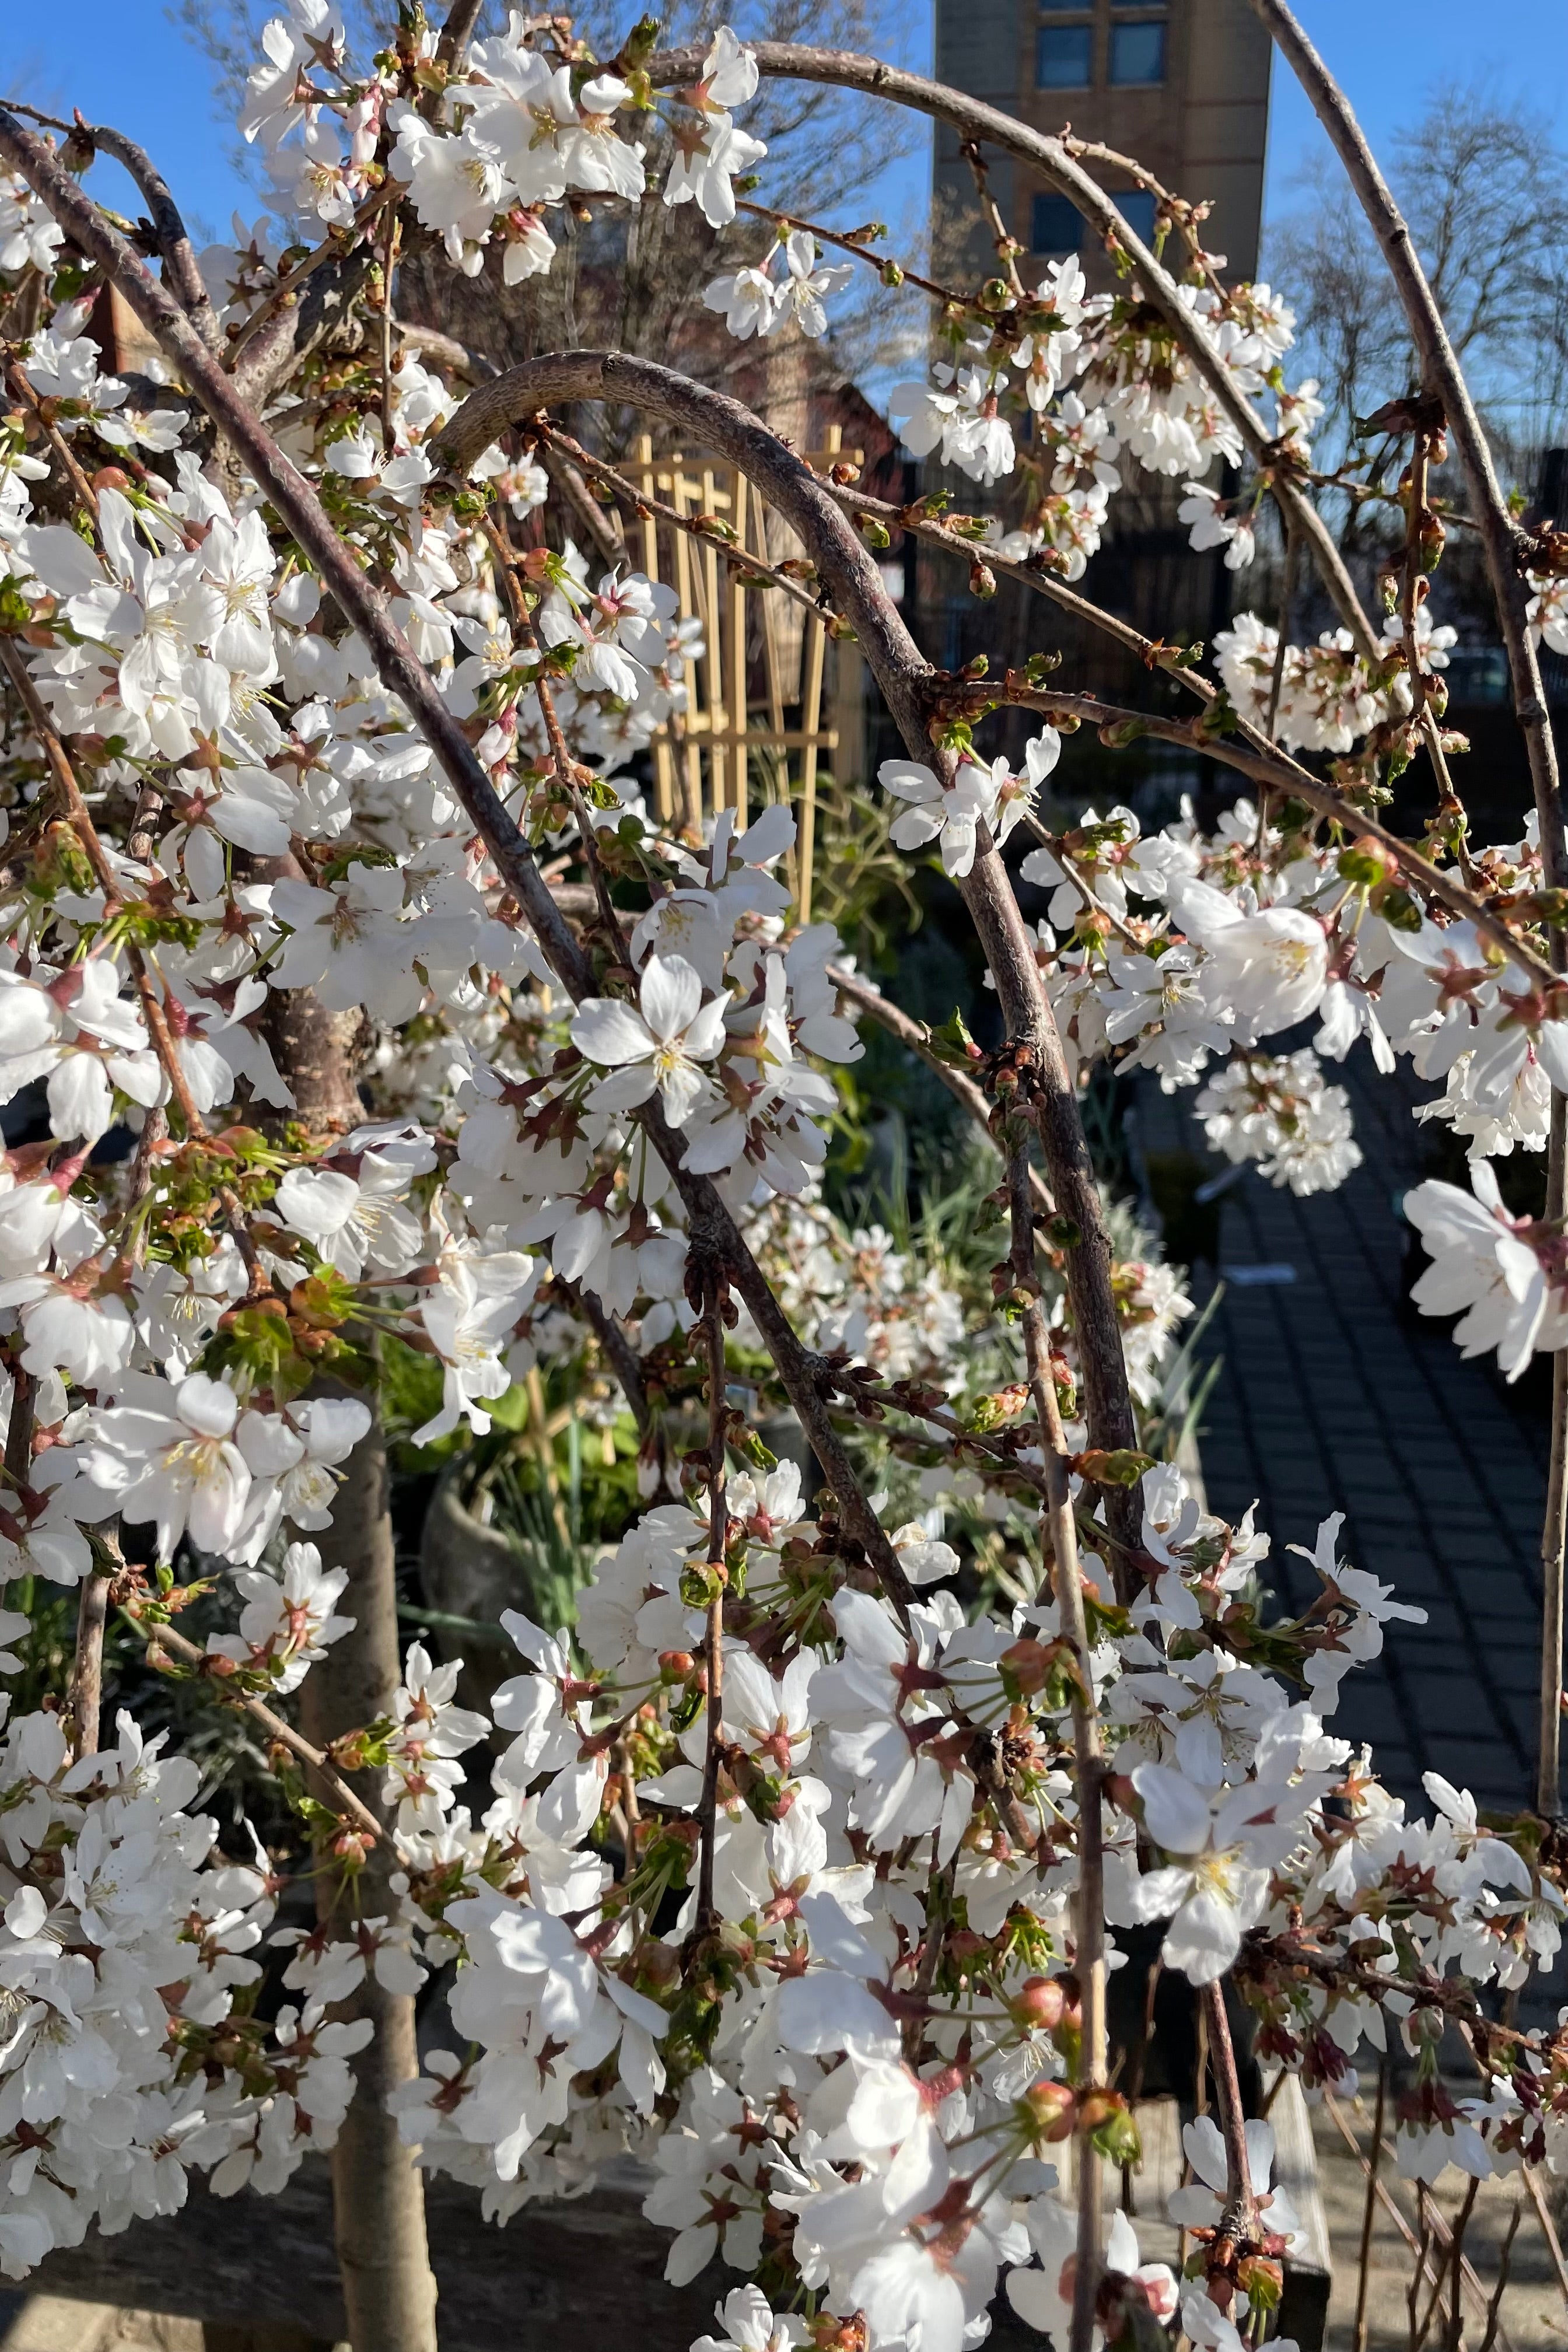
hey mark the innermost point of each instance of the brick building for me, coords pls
(1182, 84)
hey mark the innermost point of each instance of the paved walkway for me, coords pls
(1336, 1395)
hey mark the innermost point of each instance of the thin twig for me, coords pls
(1363, 2274)
(1341, 2125)
(696, 526)
(1253, 755)
(1505, 2264)
(917, 1038)
(1060, 1532)
(1548, 2227)
(947, 295)
(56, 439)
(1456, 2300)
(1287, 603)
(86, 1668)
(164, 1637)
(566, 771)
(713, 1635)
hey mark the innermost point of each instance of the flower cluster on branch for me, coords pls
(799, 1860)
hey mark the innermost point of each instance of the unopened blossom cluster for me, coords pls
(768, 1869)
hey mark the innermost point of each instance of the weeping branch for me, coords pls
(402, 673)
(907, 681)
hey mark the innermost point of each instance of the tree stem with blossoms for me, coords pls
(507, 1089)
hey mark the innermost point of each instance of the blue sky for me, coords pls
(123, 62)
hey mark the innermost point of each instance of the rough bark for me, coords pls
(313, 1050)
(378, 2193)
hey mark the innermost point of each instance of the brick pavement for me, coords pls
(1336, 1395)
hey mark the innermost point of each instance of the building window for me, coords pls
(1064, 57)
(1137, 53)
(1136, 207)
(1055, 225)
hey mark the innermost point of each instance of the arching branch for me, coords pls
(974, 120)
(1442, 372)
(403, 674)
(180, 274)
(852, 580)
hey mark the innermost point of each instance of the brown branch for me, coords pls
(1093, 151)
(1505, 2264)
(17, 379)
(1369, 2211)
(937, 532)
(1384, 2198)
(1154, 654)
(87, 1667)
(905, 677)
(1091, 907)
(1006, 244)
(1253, 755)
(860, 1389)
(1048, 157)
(861, 251)
(567, 773)
(643, 502)
(158, 1030)
(1060, 1532)
(20, 1428)
(1442, 372)
(108, 880)
(164, 1637)
(713, 1632)
(181, 273)
(364, 608)
(917, 1038)
(596, 520)
(456, 33)
(142, 840)
(1239, 2218)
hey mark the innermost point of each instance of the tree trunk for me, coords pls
(378, 2192)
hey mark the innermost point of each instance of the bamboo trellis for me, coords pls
(764, 656)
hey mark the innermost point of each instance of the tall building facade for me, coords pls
(1180, 84)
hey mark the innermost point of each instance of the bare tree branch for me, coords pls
(1441, 370)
